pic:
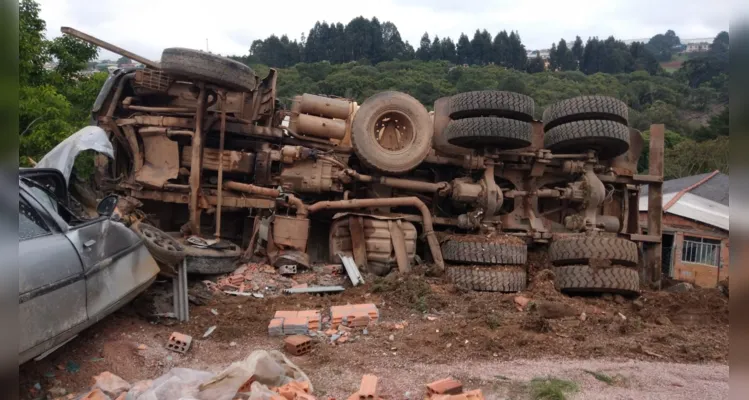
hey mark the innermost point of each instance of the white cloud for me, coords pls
(148, 26)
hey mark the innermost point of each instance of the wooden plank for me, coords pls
(196, 164)
(358, 241)
(399, 247)
(653, 251)
(630, 179)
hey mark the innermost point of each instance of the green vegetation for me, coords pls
(52, 103)
(601, 377)
(551, 388)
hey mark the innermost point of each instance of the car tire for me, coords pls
(494, 103)
(209, 68)
(480, 132)
(585, 108)
(585, 279)
(487, 279)
(608, 139)
(578, 249)
(162, 246)
(376, 139)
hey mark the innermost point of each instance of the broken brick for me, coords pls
(445, 386)
(275, 328)
(111, 384)
(179, 342)
(298, 345)
(95, 394)
(368, 388)
(295, 326)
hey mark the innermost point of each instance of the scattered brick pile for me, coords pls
(354, 316)
(310, 321)
(263, 279)
(451, 389)
(294, 322)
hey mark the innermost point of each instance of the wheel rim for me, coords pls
(394, 131)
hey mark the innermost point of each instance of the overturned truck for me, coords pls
(205, 149)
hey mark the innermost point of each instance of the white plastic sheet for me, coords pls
(62, 157)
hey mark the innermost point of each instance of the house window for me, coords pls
(701, 251)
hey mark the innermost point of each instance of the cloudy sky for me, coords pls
(229, 26)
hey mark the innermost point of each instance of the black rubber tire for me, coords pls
(212, 262)
(369, 151)
(495, 103)
(209, 68)
(608, 138)
(162, 246)
(576, 249)
(479, 132)
(487, 279)
(584, 279)
(585, 108)
(488, 253)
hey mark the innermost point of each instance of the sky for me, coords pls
(228, 27)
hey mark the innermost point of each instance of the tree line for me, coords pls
(370, 41)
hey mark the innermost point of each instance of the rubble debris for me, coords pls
(315, 289)
(294, 322)
(298, 345)
(209, 331)
(179, 342)
(445, 386)
(554, 310)
(680, 287)
(287, 269)
(472, 395)
(95, 394)
(294, 391)
(521, 302)
(111, 384)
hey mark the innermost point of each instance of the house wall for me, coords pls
(699, 274)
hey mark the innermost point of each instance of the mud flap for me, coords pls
(161, 160)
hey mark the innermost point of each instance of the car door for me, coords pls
(116, 263)
(52, 286)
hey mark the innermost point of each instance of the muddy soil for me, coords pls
(448, 331)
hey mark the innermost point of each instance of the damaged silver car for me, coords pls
(73, 269)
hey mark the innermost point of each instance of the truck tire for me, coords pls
(212, 262)
(163, 248)
(585, 108)
(391, 132)
(584, 279)
(577, 249)
(495, 103)
(489, 253)
(209, 68)
(487, 279)
(479, 132)
(608, 138)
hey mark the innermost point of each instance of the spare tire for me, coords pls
(162, 246)
(584, 279)
(494, 103)
(584, 108)
(480, 132)
(391, 132)
(609, 139)
(488, 279)
(209, 68)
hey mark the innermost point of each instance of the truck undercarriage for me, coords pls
(205, 150)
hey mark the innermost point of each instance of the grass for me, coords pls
(551, 388)
(601, 377)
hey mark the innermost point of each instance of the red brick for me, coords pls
(368, 388)
(445, 386)
(95, 394)
(298, 345)
(179, 342)
(286, 314)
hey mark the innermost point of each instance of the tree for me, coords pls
(518, 55)
(536, 64)
(501, 49)
(395, 49)
(435, 50)
(481, 48)
(565, 59)
(423, 52)
(553, 58)
(662, 45)
(124, 60)
(448, 50)
(643, 58)
(577, 50)
(464, 49)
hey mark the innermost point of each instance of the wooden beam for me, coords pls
(653, 251)
(645, 238)
(196, 164)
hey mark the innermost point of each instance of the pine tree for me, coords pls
(424, 47)
(464, 50)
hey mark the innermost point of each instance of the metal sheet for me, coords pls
(161, 160)
(62, 157)
(696, 208)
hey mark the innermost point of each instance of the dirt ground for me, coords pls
(482, 339)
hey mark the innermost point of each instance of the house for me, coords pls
(697, 47)
(695, 228)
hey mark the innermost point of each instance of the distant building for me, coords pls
(544, 53)
(695, 228)
(697, 47)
